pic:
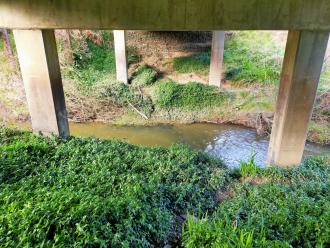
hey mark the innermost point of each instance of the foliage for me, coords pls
(249, 57)
(93, 193)
(198, 62)
(128, 96)
(276, 208)
(95, 59)
(144, 76)
(253, 57)
(169, 94)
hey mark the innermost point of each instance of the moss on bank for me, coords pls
(89, 192)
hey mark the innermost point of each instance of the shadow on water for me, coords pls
(229, 142)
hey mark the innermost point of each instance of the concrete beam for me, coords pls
(42, 80)
(301, 71)
(166, 15)
(121, 55)
(218, 45)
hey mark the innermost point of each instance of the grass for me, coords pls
(95, 61)
(276, 208)
(169, 94)
(128, 96)
(199, 63)
(249, 57)
(93, 193)
(144, 76)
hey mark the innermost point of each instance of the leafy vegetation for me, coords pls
(144, 76)
(93, 193)
(252, 57)
(198, 62)
(89, 192)
(169, 94)
(94, 60)
(270, 208)
(249, 57)
(128, 96)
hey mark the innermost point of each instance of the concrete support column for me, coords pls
(301, 71)
(41, 74)
(121, 55)
(218, 43)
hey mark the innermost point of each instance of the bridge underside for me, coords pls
(308, 22)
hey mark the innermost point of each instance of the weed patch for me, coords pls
(198, 62)
(88, 192)
(291, 209)
(144, 76)
(169, 94)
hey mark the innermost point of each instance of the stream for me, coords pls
(231, 143)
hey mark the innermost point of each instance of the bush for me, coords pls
(144, 76)
(126, 95)
(169, 94)
(276, 208)
(95, 59)
(93, 193)
(248, 60)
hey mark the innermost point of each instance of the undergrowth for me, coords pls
(144, 76)
(93, 193)
(270, 207)
(249, 57)
(127, 96)
(198, 62)
(169, 94)
(95, 60)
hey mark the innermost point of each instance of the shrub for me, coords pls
(169, 94)
(95, 60)
(93, 193)
(248, 60)
(144, 76)
(126, 95)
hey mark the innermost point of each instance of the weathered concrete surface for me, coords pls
(300, 76)
(121, 55)
(218, 45)
(166, 14)
(42, 80)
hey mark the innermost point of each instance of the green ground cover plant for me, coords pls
(169, 94)
(198, 62)
(270, 208)
(249, 57)
(95, 60)
(94, 193)
(144, 76)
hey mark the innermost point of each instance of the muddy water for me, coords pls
(229, 142)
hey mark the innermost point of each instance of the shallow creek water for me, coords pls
(231, 143)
